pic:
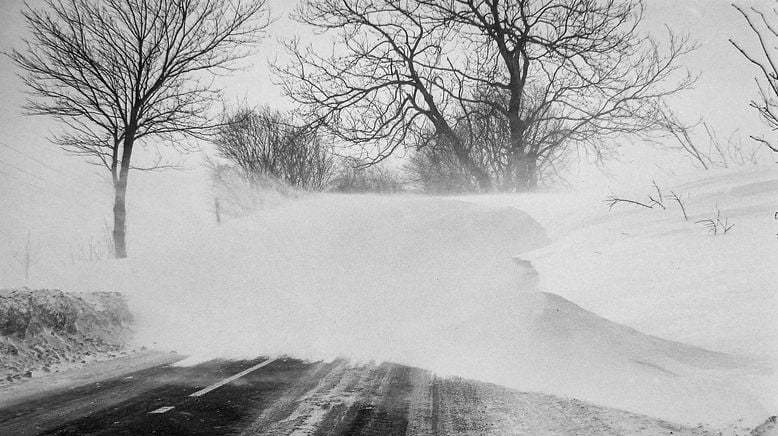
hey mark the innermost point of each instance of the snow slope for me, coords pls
(432, 282)
(654, 271)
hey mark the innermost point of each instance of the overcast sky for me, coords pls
(36, 178)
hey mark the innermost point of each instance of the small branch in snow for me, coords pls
(657, 202)
(716, 225)
(677, 199)
(613, 200)
(658, 192)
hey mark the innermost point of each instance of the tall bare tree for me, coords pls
(377, 87)
(766, 61)
(120, 72)
(403, 68)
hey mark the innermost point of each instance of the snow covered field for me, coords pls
(634, 308)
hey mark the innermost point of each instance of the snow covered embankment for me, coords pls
(43, 328)
(665, 276)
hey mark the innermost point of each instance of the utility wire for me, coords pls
(32, 158)
(38, 177)
(22, 180)
(69, 175)
(80, 200)
(22, 170)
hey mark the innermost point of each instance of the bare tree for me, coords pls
(559, 72)
(120, 72)
(265, 143)
(767, 63)
(579, 67)
(378, 85)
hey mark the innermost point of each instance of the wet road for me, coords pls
(292, 397)
(195, 400)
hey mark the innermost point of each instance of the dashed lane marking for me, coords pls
(162, 409)
(204, 391)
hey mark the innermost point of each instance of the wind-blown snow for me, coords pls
(355, 275)
(654, 271)
(432, 282)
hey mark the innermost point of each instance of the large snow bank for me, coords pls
(421, 281)
(654, 271)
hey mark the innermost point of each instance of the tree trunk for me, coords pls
(521, 172)
(481, 176)
(519, 168)
(484, 181)
(463, 154)
(525, 172)
(120, 195)
(120, 218)
(532, 172)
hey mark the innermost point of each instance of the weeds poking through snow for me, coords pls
(677, 199)
(661, 200)
(716, 226)
(658, 201)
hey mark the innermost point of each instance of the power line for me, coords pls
(69, 175)
(22, 180)
(32, 158)
(80, 200)
(40, 162)
(22, 170)
(77, 200)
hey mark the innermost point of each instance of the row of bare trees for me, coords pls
(488, 94)
(553, 73)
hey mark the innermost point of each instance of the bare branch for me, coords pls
(767, 64)
(613, 200)
(677, 199)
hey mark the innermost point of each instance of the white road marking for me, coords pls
(162, 409)
(204, 391)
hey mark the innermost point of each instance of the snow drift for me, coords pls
(652, 270)
(420, 281)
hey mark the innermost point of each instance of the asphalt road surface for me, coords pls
(290, 397)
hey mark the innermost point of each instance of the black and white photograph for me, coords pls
(389, 217)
